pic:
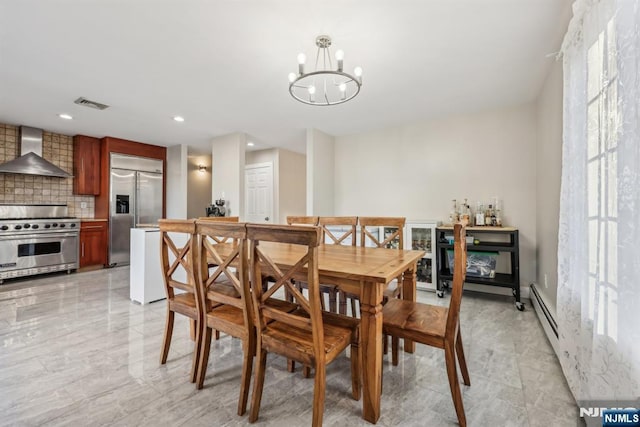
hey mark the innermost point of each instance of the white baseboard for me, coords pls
(545, 317)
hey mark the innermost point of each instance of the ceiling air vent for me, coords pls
(91, 104)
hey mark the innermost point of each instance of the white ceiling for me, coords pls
(223, 65)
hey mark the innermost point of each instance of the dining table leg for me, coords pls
(371, 345)
(409, 293)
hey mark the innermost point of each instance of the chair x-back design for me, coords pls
(436, 326)
(302, 335)
(223, 294)
(176, 249)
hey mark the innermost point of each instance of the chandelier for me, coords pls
(324, 86)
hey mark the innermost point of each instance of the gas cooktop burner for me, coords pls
(39, 217)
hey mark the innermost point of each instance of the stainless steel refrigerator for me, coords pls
(135, 200)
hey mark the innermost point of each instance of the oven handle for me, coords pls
(51, 235)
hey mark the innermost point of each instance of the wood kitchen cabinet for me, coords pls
(93, 243)
(86, 165)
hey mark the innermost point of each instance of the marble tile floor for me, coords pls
(75, 351)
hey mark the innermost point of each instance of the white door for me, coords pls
(258, 180)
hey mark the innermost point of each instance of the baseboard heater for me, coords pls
(541, 308)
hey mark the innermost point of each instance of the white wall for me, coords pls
(176, 176)
(293, 188)
(320, 173)
(415, 171)
(228, 153)
(261, 156)
(549, 170)
(198, 185)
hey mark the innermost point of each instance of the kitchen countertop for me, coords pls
(93, 220)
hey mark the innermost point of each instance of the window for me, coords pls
(602, 192)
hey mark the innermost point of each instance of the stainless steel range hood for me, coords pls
(30, 161)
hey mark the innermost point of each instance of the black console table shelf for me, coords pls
(483, 235)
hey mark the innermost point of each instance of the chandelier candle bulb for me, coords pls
(340, 58)
(358, 72)
(301, 59)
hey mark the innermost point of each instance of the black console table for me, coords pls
(489, 239)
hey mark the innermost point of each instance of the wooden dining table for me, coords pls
(366, 272)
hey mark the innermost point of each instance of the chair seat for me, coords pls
(223, 287)
(423, 323)
(184, 304)
(297, 343)
(282, 305)
(228, 319)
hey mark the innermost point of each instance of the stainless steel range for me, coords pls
(36, 239)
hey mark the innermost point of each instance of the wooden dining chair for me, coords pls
(219, 239)
(220, 218)
(223, 295)
(302, 220)
(308, 335)
(348, 222)
(394, 240)
(178, 273)
(330, 290)
(435, 325)
(348, 236)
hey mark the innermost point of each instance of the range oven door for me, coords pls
(36, 253)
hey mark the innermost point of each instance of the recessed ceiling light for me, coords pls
(65, 116)
(178, 119)
(250, 144)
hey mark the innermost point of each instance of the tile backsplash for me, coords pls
(33, 189)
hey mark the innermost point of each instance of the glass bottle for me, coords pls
(498, 210)
(487, 215)
(464, 212)
(453, 213)
(479, 214)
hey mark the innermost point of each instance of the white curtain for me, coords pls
(599, 234)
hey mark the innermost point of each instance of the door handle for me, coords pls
(82, 256)
(266, 218)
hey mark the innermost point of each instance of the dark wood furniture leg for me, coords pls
(409, 293)
(371, 329)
